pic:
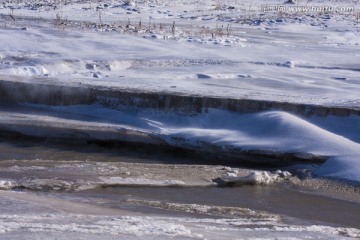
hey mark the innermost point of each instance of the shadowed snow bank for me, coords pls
(270, 137)
(38, 90)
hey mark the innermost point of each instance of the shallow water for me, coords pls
(294, 205)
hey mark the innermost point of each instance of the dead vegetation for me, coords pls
(160, 28)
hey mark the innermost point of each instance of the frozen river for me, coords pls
(53, 198)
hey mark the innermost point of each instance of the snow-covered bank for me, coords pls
(217, 132)
(41, 91)
(298, 62)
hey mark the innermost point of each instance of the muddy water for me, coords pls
(294, 204)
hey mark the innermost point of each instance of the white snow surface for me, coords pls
(294, 58)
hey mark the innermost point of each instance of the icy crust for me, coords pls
(254, 178)
(229, 179)
(57, 127)
(122, 226)
(262, 218)
(49, 222)
(150, 227)
(80, 176)
(118, 181)
(6, 185)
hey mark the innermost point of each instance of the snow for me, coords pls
(155, 227)
(5, 185)
(271, 131)
(230, 49)
(296, 60)
(226, 49)
(30, 216)
(341, 167)
(254, 178)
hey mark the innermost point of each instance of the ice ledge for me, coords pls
(82, 132)
(52, 92)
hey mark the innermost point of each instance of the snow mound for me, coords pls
(341, 167)
(254, 178)
(5, 185)
(273, 131)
